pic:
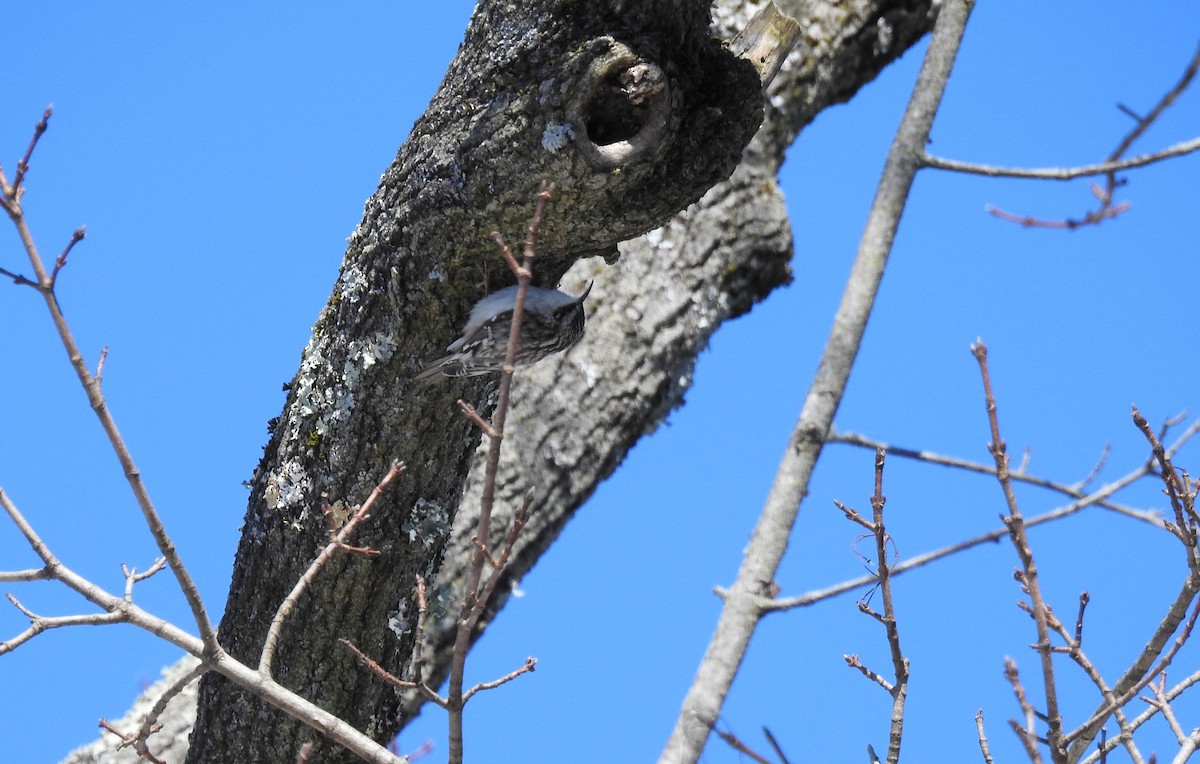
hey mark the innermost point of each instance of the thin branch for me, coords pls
(169, 694)
(983, 741)
(400, 684)
(60, 262)
(475, 594)
(1075, 491)
(528, 667)
(912, 563)
(132, 576)
(1084, 599)
(1189, 747)
(150, 725)
(1109, 168)
(1063, 173)
(900, 665)
(100, 365)
(1143, 124)
(778, 749)
(1027, 733)
(898, 688)
(499, 564)
(416, 664)
(736, 744)
(1097, 468)
(1160, 702)
(1176, 490)
(1031, 579)
(854, 662)
(470, 413)
(17, 278)
(742, 606)
(39, 624)
(119, 609)
(1141, 673)
(131, 739)
(11, 194)
(1105, 746)
(96, 399)
(1074, 649)
(336, 542)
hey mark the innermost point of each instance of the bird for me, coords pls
(552, 321)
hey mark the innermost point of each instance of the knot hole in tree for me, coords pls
(622, 111)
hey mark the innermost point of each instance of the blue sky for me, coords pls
(219, 155)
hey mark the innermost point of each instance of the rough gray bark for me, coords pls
(412, 272)
(533, 94)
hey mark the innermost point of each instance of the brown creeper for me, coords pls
(552, 321)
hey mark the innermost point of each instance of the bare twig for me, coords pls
(898, 688)
(118, 609)
(1031, 581)
(139, 740)
(132, 739)
(1105, 746)
(10, 194)
(387, 676)
(100, 365)
(1142, 672)
(912, 563)
(1176, 488)
(60, 262)
(470, 413)
(150, 724)
(1064, 173)
(778, 749)
(1109, 168)
(734, 742)
(499, 564)
(305, 751)
(1182, 494)
(132, 576)
(476, 596)
(528, 667)
(1027, 733)
(1084, 599)
(983, 741)
(854, 662)
(39, 624)
(45, 283)
(1074, 649)
(416, 665)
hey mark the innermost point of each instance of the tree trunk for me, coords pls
(535, 93)
(575, 417)
(525, 100)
